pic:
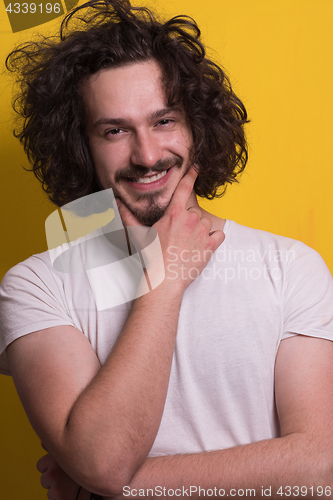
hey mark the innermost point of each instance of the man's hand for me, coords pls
(59, 485)
(185, 237)
(101, 429)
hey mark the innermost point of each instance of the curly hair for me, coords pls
(110, 33)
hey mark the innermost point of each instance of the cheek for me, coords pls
(106, 159)
(184, 140)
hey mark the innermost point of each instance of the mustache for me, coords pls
(136, 171)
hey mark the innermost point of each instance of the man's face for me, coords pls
(141, 148)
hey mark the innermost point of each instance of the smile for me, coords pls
(151, 181)
(151, 178)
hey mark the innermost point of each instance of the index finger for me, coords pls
(185, 187)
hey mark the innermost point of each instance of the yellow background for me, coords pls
(278, 54)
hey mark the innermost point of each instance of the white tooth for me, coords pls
(153, 178)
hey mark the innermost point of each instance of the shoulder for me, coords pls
(294, 273)
(248, 235)
(31, 298)
(288, 265)
(33, 270)
(270, 246)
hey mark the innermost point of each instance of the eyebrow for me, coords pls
(154, 116)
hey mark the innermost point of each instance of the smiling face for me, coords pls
(141, 148)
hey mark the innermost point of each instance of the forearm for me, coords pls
(114, 422)
(293, 466)
(303, 456)
(291, 461)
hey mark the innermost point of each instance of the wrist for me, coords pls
(83, 494)
(168, 292)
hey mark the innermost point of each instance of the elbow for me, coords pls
(318, 463)
(104, 468)
(325, 467)
(108, 485)
(108, 478)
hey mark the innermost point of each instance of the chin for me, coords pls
(151, 212)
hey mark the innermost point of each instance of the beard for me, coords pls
(153, 210)
(151, 214)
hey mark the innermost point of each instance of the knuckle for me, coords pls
(193, 217)
(173, 211)
(187, 184)
(207, 222)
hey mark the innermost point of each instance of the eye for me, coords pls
(114, 131)
(165, 121)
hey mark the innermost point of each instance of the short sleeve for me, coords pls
(308, 306)
(30, 300)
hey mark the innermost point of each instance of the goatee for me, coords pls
(151, 214)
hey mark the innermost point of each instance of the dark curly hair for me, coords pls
(109, 33)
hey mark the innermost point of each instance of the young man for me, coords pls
(218, 380)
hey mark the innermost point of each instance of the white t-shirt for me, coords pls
(257, 289)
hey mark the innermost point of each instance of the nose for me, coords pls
(146, 149)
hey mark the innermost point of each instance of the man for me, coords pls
(220, 378)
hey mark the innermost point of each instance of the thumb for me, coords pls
(128, 219)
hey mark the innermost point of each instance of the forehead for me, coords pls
(125, 91)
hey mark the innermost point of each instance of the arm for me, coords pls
(100, 423)
(302, 456)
